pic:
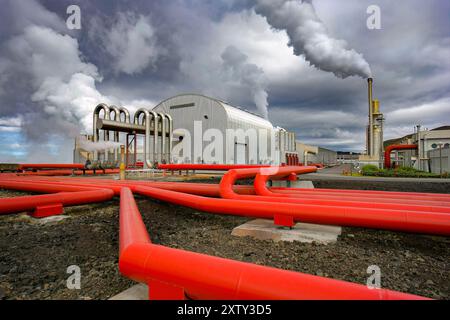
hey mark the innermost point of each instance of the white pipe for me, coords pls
(116, 133)
(169, 118)
(96, 131)
(155, 135)
(147, 133)
(163, 135)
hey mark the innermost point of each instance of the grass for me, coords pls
(404, 172)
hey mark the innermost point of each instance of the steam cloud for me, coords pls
(249, 75)
(309, 37)
(98, 146)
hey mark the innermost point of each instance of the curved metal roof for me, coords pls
(234, 112)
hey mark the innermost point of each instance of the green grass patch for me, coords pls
(404, 172)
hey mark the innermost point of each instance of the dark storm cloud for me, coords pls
(183, 42)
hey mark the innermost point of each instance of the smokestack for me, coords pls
(370, 130)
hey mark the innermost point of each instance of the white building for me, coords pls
(208, 130)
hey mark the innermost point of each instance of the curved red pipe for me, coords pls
(224, 279)
(359, 191)
(312, 207)
(260, 185)
(407, 221)
(144, 261)
(263, 175)
(229, 178)
(392, 147)
(212, 190)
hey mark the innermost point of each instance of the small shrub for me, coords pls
(404, 172)
(369, 170)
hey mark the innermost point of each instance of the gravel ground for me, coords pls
(34, 257)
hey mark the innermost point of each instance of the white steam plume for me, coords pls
(309, 37)
(248, 74)
(98, 146)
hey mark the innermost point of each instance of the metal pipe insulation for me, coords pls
(155, 138)
(147, 122)
(96, 131)
(163, 136)
(389, 149)
(170, 130)
(116, 111)
(126, 114)
(226, 279)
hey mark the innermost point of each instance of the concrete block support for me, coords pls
(263, 229)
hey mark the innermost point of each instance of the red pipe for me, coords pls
(407, 221)
(132, 228)
(69, 172)
(224, 279)
(212, 190)
(360, 191)
(262, 189)
(229, 178)
(42, 187)
(28, 203)
(51, 166)
(229, 193)
(214, 167)
(392, 147)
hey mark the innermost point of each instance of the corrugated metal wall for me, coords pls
(210, 113)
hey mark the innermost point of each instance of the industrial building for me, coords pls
(313, 154)
(374, 130)
(246, 138)
(188, 128)
(429, 150)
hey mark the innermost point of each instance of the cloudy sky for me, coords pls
(249, 52)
